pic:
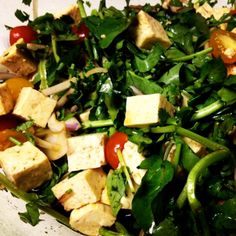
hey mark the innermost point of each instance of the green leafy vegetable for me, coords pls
(31, 216)
(116, 185)
(156, 178)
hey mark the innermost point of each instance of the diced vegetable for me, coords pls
(224, 45)
(25, 32)
(115, 142)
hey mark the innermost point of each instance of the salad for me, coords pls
(123, 122)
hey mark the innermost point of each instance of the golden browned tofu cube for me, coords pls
(6, 99)
(88, 219)
(149, 31)
(17, 62)
(26, 166)
(31, 104)
(81, 189)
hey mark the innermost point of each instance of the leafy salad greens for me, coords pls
(183, 192)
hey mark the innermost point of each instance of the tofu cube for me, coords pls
(31, 104)
(26, 166)
(88, 219)
(6, 100)
(86, 151)
(149, 31)
(133, 158)
(143, 110)
(81, 189)
(18, 62)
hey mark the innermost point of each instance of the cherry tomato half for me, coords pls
(233, 12)
(16, 84)
(224, 45)
(82, 31)
(117, 140)
(26, 32)
(9, 121)
(5, 138)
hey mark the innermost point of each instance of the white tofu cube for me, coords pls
(143, 110)
(81, 189)
(31, 104)
(6, 99)
(17, 62)
(26, 166)
(149, 31)
(86, 151)
(88, 219)
(133, 158)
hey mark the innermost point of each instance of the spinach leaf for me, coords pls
(116, 185)
(107, 89)
(45, 193)
(227, 95)
(221, 188)
(166, 227)
(27, 2)
(155, 179)
(144, 85)
(173, 53)
(224, 215)
(151, 60)
(172, 76)
(231, 81)
(21, 15)
(31, 216)
(182, 38)
(214, 71)
(188, 158)
(107, 29)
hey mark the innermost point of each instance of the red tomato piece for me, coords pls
(26, 32)
(5, 138)
(233, 12)
(82, 31)
(9, 122)
(224, 45)
(116, 141)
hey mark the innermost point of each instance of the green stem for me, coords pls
(187, 133)
(83, 14)
(203, 222)
(81, 9)
(54, 48)
(97, 124)
(15, 141)
(165, 129)
(105, 232)
(102, 5)
(208, 110)
(182, 197)
(27, 197)
(202, 140)
(125, 170)
(190, 57)
(43, 74)
(31, 197)
(208, 160)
